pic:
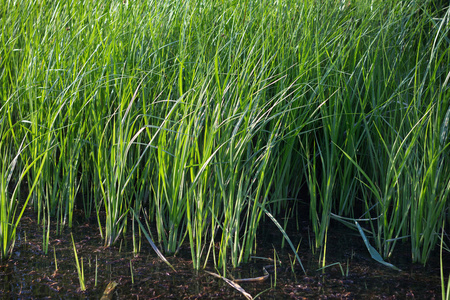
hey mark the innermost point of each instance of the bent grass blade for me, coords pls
(373, 253)
(150, 240)
(285, 236)
(344, 274)
(233, 285)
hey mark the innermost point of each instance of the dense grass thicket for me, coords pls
(203, 119)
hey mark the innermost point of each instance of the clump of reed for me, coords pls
(206, 118)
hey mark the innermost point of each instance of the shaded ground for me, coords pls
(30, 274)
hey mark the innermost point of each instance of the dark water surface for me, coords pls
(30, 274)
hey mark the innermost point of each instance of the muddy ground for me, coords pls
(32, 274)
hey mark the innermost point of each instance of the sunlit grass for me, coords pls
(80, 266)
(206, 118)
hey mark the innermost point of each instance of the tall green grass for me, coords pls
(206, 117)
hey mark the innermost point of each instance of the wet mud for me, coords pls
(32, 274)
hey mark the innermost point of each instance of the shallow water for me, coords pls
(30, 274)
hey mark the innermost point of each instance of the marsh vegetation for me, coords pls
(195, 122)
